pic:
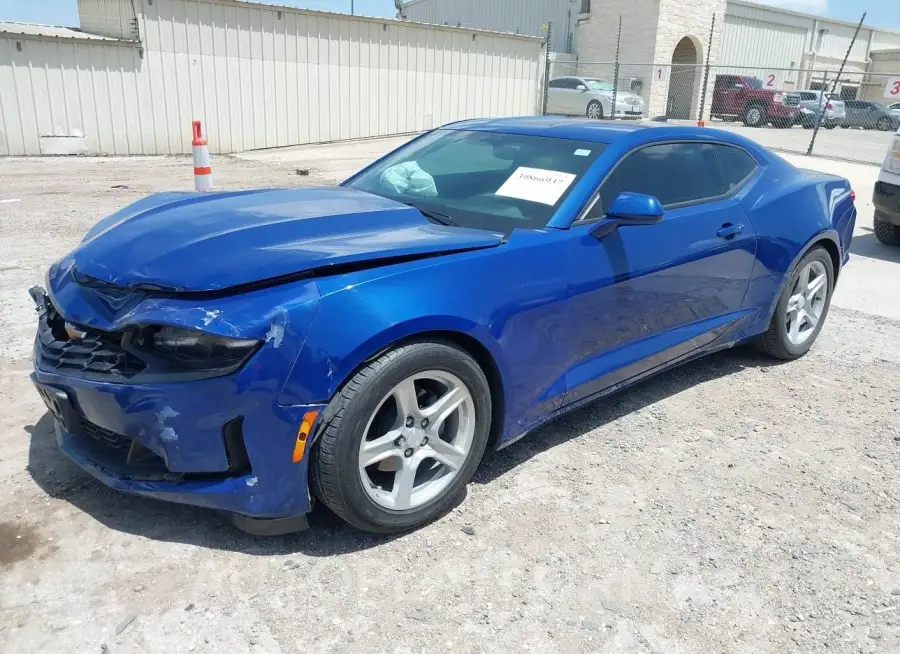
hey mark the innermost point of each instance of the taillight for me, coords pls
(852, 195)
(829, 106)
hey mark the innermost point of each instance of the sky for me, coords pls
(881, 13)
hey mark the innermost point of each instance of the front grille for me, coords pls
(93, 352)
(104, 436)
(792, 100)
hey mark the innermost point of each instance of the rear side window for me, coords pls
(675, 173)
(736, 164)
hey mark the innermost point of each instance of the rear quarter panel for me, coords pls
(792, 211)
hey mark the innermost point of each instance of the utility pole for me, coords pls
(837, 79)
(351, 7)
(616, 72)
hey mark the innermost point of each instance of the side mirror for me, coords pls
(635, 209)
(581, 87)
(629, 209)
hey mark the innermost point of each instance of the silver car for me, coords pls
(586, 96)
(816, 103)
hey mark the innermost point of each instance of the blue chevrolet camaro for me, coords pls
(249, 351)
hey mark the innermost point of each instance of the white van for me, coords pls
(886, 197)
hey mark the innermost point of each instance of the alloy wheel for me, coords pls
(417, 440)
(806, 303)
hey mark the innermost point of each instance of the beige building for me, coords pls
(665, 43)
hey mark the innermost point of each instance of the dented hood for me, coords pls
(215, 241)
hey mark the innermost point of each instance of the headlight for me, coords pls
(892, 159)
(196, 350)
(779, 98)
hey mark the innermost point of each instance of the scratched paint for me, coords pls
(166, 433)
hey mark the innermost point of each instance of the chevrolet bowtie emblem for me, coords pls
(73, 332)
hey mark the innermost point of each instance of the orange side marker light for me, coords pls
(302, 434)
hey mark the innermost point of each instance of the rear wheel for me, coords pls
(405, 437)
(802, 307)
(886, 232)
(594, 110)
(754, 116)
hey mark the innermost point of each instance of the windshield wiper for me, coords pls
(436, 216)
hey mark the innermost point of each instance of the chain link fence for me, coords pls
(841, 109)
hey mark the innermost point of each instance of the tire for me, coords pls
(775, 341)
(886, 232)
(336, 475)
(884, 124)
(594, 110)
(755, 116)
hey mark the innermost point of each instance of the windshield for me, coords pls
(600, 85)
(754, 82)
(485, 180)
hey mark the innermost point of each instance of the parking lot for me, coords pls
(732, 505)
(851, 144)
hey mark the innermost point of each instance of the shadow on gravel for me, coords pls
(868, 245)
(617, 405)
(60, 478)
(328, 535)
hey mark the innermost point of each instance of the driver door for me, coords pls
(645, 296)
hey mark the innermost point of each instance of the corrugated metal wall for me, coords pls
(115, 18)
(67, 88)
(751, 42)
(516, 16)
(258, 77)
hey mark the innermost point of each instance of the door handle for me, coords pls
(728, 231)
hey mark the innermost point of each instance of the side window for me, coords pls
(737, 165)
(805, 95)
(557, 84)
(568, 83)
(724, 82)
(673, 172)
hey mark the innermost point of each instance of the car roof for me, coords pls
(592, 131)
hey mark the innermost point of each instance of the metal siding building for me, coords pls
(258, 76)
(516, 16)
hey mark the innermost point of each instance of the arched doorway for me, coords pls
(683, 80)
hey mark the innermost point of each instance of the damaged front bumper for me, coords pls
(167, 444)
(222, 442)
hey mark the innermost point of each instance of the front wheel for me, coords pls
(405, 436)
(802, 307)
(754, 116)
(594, 110)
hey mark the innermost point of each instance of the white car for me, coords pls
(886, 196)
(894, 108)
(586, 96)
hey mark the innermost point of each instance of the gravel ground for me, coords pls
(732, 505)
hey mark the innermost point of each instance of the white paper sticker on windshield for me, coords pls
(582, 153)
(536, 185)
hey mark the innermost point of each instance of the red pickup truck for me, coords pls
(739, 96)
